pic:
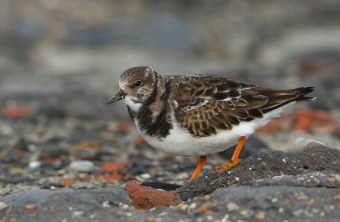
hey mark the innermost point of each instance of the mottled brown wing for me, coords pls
(208, 104)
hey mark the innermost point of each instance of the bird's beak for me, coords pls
(120, 95)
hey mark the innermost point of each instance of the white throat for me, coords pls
(131, 104)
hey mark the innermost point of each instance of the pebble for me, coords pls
(105, 204)
(32, 147)
(3, 206)
(274, 200)
(261, 215)
(145, 176)
(82, 165)
(231, 206)
(6, 130)
(34, 164)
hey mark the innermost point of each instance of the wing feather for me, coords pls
(208, 104)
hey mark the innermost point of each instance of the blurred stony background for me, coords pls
(60, 62)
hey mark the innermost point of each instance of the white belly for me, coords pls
(182, 142)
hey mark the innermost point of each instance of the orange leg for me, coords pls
(234, 159)
(200, 165)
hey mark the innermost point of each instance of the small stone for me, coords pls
(231, 206)
(246, 213)
(34, 164)
(209, 217)
(183, 206)
(6, 130)
(78, 213)
(225, 218)
(105, 204)
(32, 147)
(82, 165)
(274, 200)
(193, 206)
(261, 215)
(3, 206)
(124, 206)
(145, 176)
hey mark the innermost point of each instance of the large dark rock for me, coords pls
(274, 168)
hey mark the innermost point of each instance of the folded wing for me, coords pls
(209, 104)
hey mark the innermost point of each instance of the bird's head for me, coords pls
(136, 85)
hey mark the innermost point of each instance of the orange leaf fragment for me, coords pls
(17, 112)
(140, 140)
(145, 198)
(51, 159)
(88, 144)
(68, 181)
(113, 177)
(125, 127)
(31, 207)
(306, 119)
(113, 166)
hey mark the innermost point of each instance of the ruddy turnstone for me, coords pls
(199, 114)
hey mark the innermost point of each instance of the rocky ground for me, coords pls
(67, 156)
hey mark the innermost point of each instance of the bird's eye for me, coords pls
(138, 83)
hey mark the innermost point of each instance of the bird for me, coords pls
(197, 115)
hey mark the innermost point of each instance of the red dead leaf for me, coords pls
(125, 127)
(17, 112)
(140, 140)
(88, 144)
(113, 166)
(145, 198)
(31, 207)
(67, 182)
(112, 177)
(306, 119)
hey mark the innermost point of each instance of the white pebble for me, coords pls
(105, 204)
(34, 164)
(6, 130)
(82, 165)
(231, 206)
(145, 176)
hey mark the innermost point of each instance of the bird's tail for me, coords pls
(301, 92)
(278, 98)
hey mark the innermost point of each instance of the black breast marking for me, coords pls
(161, 126)
(131, 113)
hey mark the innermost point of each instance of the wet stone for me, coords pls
(82, 166)
(315, 158)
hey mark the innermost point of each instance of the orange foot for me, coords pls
(226, 166)
(234, 159)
